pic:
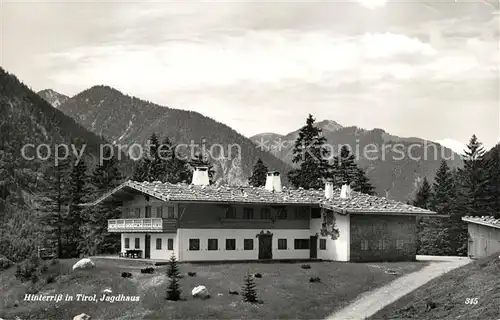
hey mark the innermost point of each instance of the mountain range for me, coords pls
(106, 114)
(126, 120)
(392, 175)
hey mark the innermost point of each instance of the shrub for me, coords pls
(126, 275)
(257, 275)
(148, 270)
(314, 279)
(29, 269)
(191, 274)
(248, 291)
(174, 288)
(306, 266)
(5, 263)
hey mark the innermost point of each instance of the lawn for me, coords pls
(469, 292)
(284, 289)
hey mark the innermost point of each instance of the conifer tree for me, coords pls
(362, 183)
(174, 287)
(77, 215)
(248, 291)
(493, 158)
(473, 197)
(423, 195)
(312, 155)
(259, 174)
(344, 167)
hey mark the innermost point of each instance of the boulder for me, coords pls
(107, 291)
(85, 263)
(81, 316)
(200, 292)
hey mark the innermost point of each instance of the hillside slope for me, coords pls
(126, 120)
(392, 175)
(54, 98)
(449, 296)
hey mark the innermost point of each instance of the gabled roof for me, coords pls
(357, 203)
(485, 221)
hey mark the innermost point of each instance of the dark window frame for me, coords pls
(265, 213)
(322, 244)
(248, 213)
(315, 213)
(194, 244)
(210, 244)
(231, 213)
(301, 244)
(170, 244)
(158, 243)
(231, 244)
(137, 243)
(282, 244)
(127, 243)
(246, 245)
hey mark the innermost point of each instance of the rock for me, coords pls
(81, 316)
(200, 292)
(391, 272)
(107, 291)
(85, 263)
(126, 275)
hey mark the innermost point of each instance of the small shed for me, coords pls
(484, 236)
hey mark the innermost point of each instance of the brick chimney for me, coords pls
(273, 181)
(200, 176)
(329, 189)
(345, 192)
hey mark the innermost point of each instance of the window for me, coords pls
(381, 244)
(126, 213)
(137, 213)
(212, 244)
(301, 244)
(170, 212)
(247, 213)
(194, 244)
(158, 244)
(322, 244)
(301, 213)
(137, 243)
(148, 212)
(230, 244)
(159, 212)
(170, 244)
(316, 213)
(248, 244)
(282, 213)
(231, 213)
(282, 244)
(265, 213)
(127, 243)
(364, 245)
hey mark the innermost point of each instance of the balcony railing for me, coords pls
(142, 225)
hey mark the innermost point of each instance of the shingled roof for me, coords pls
(486, 221)
(357, 203)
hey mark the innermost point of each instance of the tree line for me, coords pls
(472, 190)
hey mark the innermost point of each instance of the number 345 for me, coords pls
(471, 301)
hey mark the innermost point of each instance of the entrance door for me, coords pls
(265, 247)
(313, 247)
(147, 246)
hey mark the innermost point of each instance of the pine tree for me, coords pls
(312, 155)
(493, 158)
(53, 205)
(473, 197)
(173, 267)
(248, 291)
(259, 174)
(105, 177)
(423, 196)
(345, 169)
(77, 216)
(362, 183)
(174, 288)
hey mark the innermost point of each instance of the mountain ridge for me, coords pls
(53, 97)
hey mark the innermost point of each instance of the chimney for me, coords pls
(200, 176)
(329, 189)
(345, 192)
(273, 181)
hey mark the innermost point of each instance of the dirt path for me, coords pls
(371, 302)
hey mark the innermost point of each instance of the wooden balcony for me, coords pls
(142, 225)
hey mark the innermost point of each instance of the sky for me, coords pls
(413, 68)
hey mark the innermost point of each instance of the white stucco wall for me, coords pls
(239, 254)
(163, 253)
(132, 237)
(336, 250)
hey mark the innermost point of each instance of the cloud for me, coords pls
(373, 4)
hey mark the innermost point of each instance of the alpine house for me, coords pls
(202, 222)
